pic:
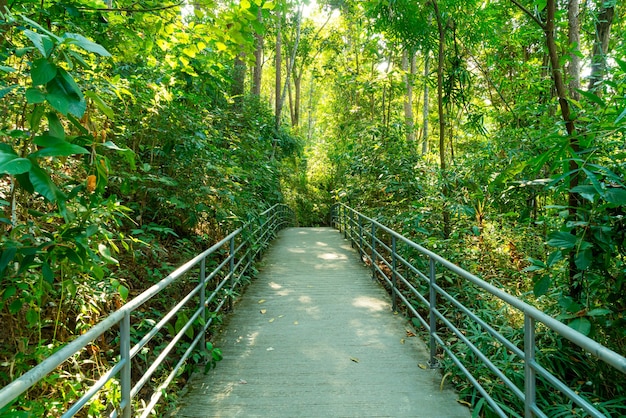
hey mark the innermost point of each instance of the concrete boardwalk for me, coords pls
(314, 336)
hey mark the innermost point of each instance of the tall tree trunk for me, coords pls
(573, 201)
(292, 59)
(442, 122)
(600, 46)
(297, 84)
(409, 73)
(573, 35)
(239, 75)
(258, 57)
(425, 109)
(278, 107)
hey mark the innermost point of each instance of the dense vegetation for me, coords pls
(135, 133)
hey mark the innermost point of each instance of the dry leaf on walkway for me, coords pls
(271, 320)
(270, 349)
(295, 322)
(410, 333)
(263, 311)
(354, 359)
(421, 366)
(262, 300)
(402, 341)
(242, 382)
(280, 316)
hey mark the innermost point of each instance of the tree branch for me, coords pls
(130, 10)
(529, 13)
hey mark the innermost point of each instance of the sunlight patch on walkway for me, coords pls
(371, 304)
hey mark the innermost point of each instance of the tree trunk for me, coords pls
(573, 35)
(425, 109)
(239, 75)
(278, 107)
(297, 84)
(258, 57)
(442, 123)
(600, 47)
(291, 59)
(409, 72)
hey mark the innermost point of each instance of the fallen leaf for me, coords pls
(295, 322)
(402, 341)
(262, 300)
(242, 382)
(469, 405)
(410, 333)
(263, 311)
(270, 349)
(271, 320)
(280, 316)
(354, 359)
(422, 366)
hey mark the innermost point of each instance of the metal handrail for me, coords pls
(366, 234)
(242, 247)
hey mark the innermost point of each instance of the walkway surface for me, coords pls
(314, 336)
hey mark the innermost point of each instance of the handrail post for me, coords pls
(360, 236)
(374, 256)
(203, 299)
(232, 273)
(530, 397)
(351, 233)
(125, 373)
(345, 223)
(433, 320)
(394, 275)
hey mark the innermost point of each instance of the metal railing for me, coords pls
(233, 256)
(399, 262)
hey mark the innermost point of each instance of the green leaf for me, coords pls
(554, 258)
(42, 72)
(100, 104)
(37, 40)
(621, 116)
(15, 166)
(7, 257)
(123, 290)
(583, 259)
(48, 274)
(582, 325)
(542, 286)
(65, 95)
(6, 90)
(34, 96)
(599, 312)
(615, 196)
(43, 184)
(60, 149)
(55, 127)
(587, 191)
(592, 97)
(9, 292)
(16, 306)
(86, 44)
(562, 240)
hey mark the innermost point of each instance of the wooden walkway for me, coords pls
(314, 336)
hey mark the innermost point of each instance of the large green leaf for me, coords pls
(15, 166)
(43, 184)
(42, 72)
(615, 196)
(59, 149)
(563, 240)
(34, 96)
(542, 286)
(100, 104)
(6, 153)
(86, 44)
(65, 95)
(583, 259)
(55, 127)
(37, 40)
